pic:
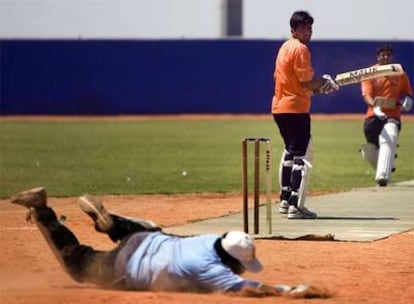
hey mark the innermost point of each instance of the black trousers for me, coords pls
(295, 129)
(85, 264)
(373, 127)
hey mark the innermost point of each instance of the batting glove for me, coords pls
(329, 85)
(407, 104)
(378, 113)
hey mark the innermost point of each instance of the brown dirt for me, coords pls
(376, 272)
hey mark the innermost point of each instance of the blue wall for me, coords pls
(167, 76)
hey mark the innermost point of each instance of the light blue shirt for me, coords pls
(171, 263)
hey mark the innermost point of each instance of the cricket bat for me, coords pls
(373, 72)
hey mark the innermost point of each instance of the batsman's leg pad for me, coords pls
(369, 152)
(386, 155)
(300, 179)
(306, 170)
(298, 167)
(285, 175)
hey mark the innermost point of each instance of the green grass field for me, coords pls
(149, 156)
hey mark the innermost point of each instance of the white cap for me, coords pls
(241, 247)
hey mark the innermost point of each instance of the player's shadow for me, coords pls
(357, 218)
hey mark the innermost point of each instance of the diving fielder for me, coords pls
(145, 258)
(386, 97)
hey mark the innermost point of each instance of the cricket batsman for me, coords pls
(386, 98)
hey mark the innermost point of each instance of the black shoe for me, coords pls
(33, 198)
(382, 182)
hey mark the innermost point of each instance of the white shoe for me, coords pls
(96, 211)
(300, 213)
(147, 224)
(283, 207)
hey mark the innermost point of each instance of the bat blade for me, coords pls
(373, 72)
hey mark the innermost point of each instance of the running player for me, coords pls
(386, 97)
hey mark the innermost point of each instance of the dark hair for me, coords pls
(384, 48)
(226, 258)
(300, 17)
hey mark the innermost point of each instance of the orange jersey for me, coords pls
(292, 66)
(389, 88)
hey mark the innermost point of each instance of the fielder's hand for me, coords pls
(329, 85)
(378, 112)
(407, 104)
(302, 291)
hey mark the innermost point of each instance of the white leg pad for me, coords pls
(386, 156)
(282, 161)
(369, 152)
(305, 174)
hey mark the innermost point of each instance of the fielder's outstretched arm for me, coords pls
(299, 291)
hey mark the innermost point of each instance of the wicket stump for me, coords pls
(256, 191)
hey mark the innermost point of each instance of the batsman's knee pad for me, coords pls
(369, 152)
(386, 155)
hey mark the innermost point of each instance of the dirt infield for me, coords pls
(378, 272)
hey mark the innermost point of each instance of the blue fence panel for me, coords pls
(85, 77)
